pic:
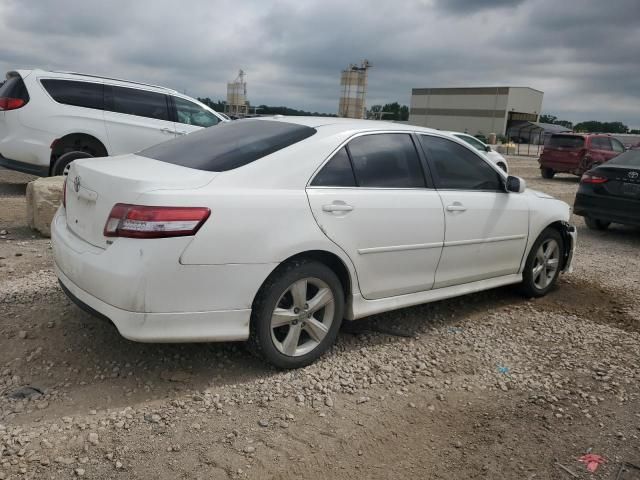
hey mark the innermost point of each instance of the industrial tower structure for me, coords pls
(353, 82)
(237, 97)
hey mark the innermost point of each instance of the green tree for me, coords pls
(601, 127)
(547, 118)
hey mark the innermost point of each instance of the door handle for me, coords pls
(167, 130)
(337, 207)
(456, 207)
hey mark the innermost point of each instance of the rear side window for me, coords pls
(336, 173)
(600, 143)
(617, 145)
(14, 87)
(566, 141)
(386, 160)
(230, 145)
(133, 101)
(79, 94)
(458, 168)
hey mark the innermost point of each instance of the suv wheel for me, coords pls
(64, 160)
(542, 267)
(297, 314)
(547, 172)
(594, 224)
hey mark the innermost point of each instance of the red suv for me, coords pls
(577, 153)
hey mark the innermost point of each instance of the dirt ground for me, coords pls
(488, 386)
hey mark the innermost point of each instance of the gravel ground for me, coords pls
(491, 385)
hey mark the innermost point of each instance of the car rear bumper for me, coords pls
(215, 326)
(39, 170)
(615, 210)
(143, 289)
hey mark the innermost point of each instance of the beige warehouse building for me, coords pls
(478, 110)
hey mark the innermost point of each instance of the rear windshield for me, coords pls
(566, 141)
(14, 88)
(630, 158)
(228, 145)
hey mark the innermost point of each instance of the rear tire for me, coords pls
(64, 160)
(296, 315)
(542, 267)
(547, 172)
(594, 224)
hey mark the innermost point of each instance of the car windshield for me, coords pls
(630, 158)
(566, 141)
(229, 145)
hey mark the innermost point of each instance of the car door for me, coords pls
(486, 228)
(373, 200)
(191, 117)
(600, 150)
(136, 119)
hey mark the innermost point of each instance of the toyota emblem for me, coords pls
(633, 175)
(76, 184)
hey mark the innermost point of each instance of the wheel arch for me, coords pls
(81, 140)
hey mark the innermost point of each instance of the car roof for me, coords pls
(345, 124)
(91, 77)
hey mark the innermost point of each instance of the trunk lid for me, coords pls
(622, 181)
(94, 186)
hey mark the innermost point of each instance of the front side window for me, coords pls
(617, 146)
(600, 143)
(141, 103)
(475, 143)
(79, 94)
(458, 168)
(191, 113)
(386, 160)
(337, 172)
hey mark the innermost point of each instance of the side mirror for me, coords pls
(515, 184)
(487, 148)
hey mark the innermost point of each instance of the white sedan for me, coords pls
(486, 150)
(274, 230)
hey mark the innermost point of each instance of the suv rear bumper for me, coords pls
(31, 169)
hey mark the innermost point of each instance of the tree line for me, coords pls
(590, 125)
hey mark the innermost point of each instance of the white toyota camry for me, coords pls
(274, 230)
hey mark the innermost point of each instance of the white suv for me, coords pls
(48, 119)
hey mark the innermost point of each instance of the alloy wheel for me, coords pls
(302, 317)
(546, 263)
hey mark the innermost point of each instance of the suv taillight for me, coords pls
(141, 221)
(8, 103)
(592, 179)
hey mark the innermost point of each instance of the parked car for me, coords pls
(576, 153)
(48, 119)
(610, 193)
(486, 150)
(273, 230)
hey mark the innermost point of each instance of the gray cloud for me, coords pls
(583, 57)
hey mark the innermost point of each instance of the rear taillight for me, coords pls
(8, 103)
(593, 179)
(141, 221)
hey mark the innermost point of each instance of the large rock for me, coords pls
(44, 196)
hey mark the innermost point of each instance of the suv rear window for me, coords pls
(79, 94)
(566, 141)
(229, 145)
(14, 87)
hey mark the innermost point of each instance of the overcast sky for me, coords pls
(584, 54)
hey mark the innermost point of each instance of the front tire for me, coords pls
(594, 224)
(547, 173)
(542, 267)
(296, 315)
